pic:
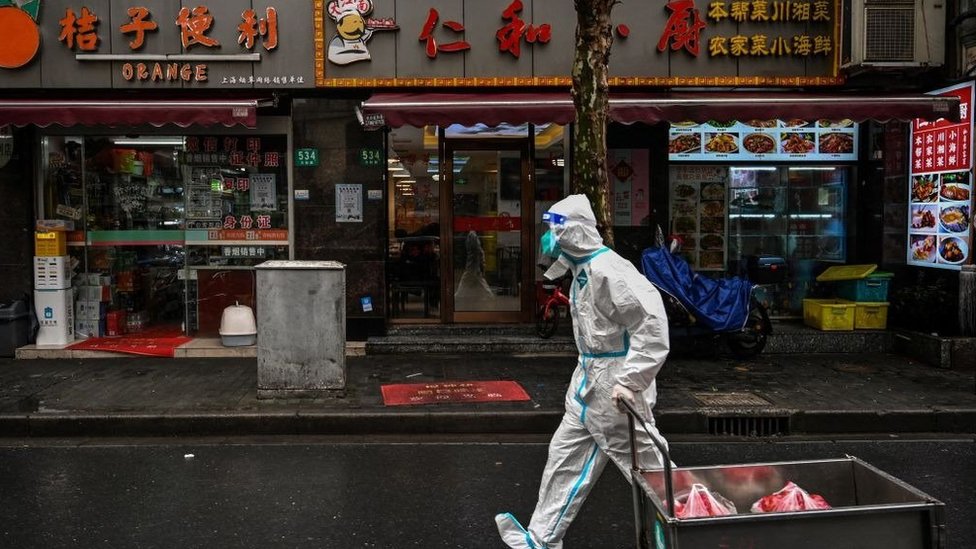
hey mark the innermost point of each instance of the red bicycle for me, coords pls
(547, 317)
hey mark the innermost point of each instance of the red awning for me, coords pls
(183, 113)
(417, 109)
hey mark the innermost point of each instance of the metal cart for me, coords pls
(870, 508)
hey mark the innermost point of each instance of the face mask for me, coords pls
(549, 245)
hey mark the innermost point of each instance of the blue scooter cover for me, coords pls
(721, 304)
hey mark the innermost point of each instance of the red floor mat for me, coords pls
(452, 391)
(160, 341)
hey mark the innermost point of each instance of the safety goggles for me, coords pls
(553, 218)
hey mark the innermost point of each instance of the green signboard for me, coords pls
(306, 158)
(370, 157)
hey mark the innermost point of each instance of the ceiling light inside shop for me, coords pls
(402, 174)
(753, 168)
(812, 168)
(149, 141)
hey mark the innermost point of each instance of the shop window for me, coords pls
(168, 228)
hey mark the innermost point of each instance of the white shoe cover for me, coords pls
(517, 537)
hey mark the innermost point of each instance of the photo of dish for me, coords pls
(954, 191)
(685, 225)
(685, 191)
(759, 143)
(824, 123)
(836, 143)
(685, 207)
(923, 217)
(795, 123)
(955, 219)
(797, 143)
(923, 248)
(713, 191)
(685, 143)
(712, 242)
(959, 178)
(712, 260)
(684, 124)
(761, 123)
(953, 249)
(722, 143)
(689, 243)
(724, 124)
(713, 208)
(713, 224)
(925, 188)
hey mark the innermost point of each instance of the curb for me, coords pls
(675, 422)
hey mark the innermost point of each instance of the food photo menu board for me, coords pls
(941, 187)
(698, 214)
(806, 140)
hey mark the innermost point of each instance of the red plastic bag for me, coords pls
(790, 498)
(701, 502)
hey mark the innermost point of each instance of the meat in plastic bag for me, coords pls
(701, 502)
(790, 498)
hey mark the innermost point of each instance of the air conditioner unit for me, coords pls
(896, 33)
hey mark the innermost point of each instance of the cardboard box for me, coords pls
(89, 328)
(89, 310)
(52, 273)
(95, 293)
(47, 225)
(55, 314)
(51, 244)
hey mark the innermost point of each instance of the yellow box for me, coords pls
(871, 315)
(846, 272)
(51, 244)
(829, 314)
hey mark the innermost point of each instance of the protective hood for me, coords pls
(578, 236)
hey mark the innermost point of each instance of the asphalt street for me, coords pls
(354, 492)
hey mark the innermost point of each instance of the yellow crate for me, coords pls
(871, 315)
(51, 244)
(829, 314)
(846, 272)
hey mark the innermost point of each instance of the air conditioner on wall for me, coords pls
(896, 33)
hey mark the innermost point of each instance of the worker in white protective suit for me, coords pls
(621, 332)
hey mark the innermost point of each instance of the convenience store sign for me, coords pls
(940, 187)
(764, 140)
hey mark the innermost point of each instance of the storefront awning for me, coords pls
(401, 109)
(183, 113)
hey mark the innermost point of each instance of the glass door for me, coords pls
(484, 187)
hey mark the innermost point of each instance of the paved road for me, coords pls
(347, 493)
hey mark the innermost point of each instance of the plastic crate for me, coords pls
(829, 314)
(51, 244)
(873, 288)
(846, 272)
(870, 316)
(52, 273)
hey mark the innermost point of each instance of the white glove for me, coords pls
(619, 393)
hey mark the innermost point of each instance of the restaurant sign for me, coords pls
(153, 44)
(392, 43)
(940, 187)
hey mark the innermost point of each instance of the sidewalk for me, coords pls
(776, 394)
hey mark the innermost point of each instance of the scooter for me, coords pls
(699, 306)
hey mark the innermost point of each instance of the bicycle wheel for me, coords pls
(546, 321)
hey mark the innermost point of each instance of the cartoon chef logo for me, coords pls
(354, 28)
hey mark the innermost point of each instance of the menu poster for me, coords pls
(699, 204)
(805, 140)
(940, 187)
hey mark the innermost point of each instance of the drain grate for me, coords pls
(730, 399)
(746, 426)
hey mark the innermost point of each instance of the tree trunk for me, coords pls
(594, 37)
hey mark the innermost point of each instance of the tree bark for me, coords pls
(594, 37)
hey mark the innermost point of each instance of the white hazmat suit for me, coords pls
(621, 332)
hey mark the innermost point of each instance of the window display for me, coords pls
(152, 211)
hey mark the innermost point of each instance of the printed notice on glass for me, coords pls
(349, 203)
(263, 190)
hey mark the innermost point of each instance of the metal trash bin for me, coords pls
(14, 326)
(301, 323)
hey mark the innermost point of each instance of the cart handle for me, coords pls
(633, 414)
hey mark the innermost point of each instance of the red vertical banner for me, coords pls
(941, 186)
